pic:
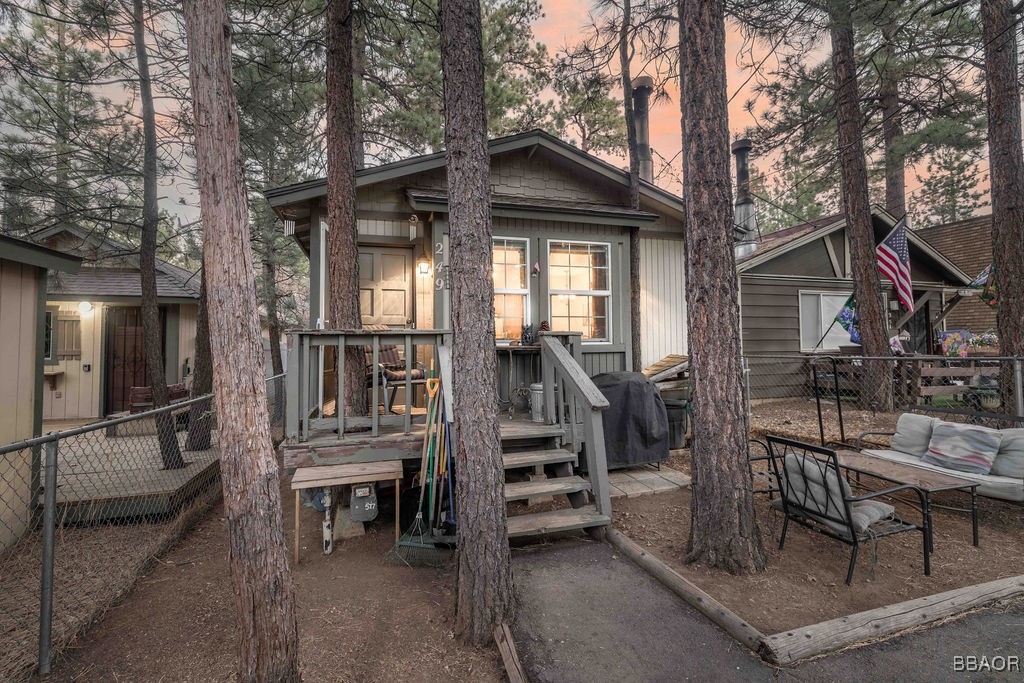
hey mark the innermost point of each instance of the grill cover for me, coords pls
(635, 423)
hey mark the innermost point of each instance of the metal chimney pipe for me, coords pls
(643, 86)
(745, 217)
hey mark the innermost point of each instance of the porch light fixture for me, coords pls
(85, 307)
(423, 267)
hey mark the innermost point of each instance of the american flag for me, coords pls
(894, 263)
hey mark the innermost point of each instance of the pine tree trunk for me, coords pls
(723, 532)
(342, 247)
(200, 417)
(273, 331)
(258, 556)
(892, 131)
(857, 208)
(358, 73)
(170, 453)
(634, 187)
(1006, 169)
(484, 598)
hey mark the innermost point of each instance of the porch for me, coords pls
(540, 457)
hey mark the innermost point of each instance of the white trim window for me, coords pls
(579, 285)
(511, 272)
(818, 310)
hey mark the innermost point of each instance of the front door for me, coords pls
(126, 354)
(385, 286)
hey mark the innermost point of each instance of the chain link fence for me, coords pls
(84, 512)
(836, 398)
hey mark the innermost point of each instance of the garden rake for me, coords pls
(415, 548)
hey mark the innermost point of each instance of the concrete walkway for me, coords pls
(589, 614)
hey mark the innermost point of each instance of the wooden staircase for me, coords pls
(554, 462)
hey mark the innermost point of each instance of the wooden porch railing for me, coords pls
(573, 401)
(306, 378)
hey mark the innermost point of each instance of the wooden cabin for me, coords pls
(561, 228)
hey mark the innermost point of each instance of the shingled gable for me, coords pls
(582, 161)
(775, 244)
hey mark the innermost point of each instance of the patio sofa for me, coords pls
(992, 457)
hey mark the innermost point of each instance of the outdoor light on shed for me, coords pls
(85, 307)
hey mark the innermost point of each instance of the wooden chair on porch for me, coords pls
(390, 370)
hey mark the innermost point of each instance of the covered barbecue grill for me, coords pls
(636, 430)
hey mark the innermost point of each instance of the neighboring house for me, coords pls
(23, 338)
(968, 244)
(97, 351)
(561, 225)
(796, 280)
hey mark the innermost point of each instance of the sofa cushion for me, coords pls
(1009, 461)
(863, 512)
(1005, 488)
(913, 432)
(963, 447)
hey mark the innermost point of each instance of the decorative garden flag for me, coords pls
(849, 319)
(894, 263)
(989, 294)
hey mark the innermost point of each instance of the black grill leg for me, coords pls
(853, 561)
(785, 525)
(927, 556)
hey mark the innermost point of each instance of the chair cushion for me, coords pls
(1009, 460)
(913, 432)
(399, 375)
(815, 486)
(864, 514)
(963, 447)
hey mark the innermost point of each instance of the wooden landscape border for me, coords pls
(793, 645)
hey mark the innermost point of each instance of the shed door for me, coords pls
(385, 286)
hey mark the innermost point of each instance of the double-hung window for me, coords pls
(511, 258)
(579, 286)
(818, 310)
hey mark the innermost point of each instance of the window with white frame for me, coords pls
(579, 286)
(511, 259)
(818, 310)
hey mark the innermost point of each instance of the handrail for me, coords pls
(575, 375)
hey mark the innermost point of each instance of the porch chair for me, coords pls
(816, 496)
(390, 368)
(762, 477)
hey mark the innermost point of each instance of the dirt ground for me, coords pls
(798, 419)
(805, 583)
(360, 619)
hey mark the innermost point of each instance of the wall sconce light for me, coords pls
(423, 267)
(85, 307)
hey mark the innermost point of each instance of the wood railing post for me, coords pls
(304, 387)
(548, 379)
(597, 462)
(339, 402)
(292, 384)
(374, 412)
(408, 383)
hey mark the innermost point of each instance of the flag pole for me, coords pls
(834, 321)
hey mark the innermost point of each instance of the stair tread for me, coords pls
(556, 520)
(512, 431)
(545, 487)
(530, 458)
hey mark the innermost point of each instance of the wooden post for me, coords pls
(293, 387)
(548, 378)
(408, 383)
(597, 463)
(304, 387)
(339, 399)
(298, 507)
(398, 502)
(374, 409)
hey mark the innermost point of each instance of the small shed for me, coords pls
(23, 338)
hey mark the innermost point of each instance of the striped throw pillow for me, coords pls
(962, 447)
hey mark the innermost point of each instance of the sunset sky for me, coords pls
(562, 25)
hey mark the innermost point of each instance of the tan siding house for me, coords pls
(23, 341)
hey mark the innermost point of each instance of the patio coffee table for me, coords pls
(926, 481)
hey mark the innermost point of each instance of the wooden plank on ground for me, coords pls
(728, 620)
(946, 390)
(809, 641)
(507, 647)
(353, 473)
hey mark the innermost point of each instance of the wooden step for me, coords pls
(522, 429)
(555, 521)
(532, 458)
(522, 490)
